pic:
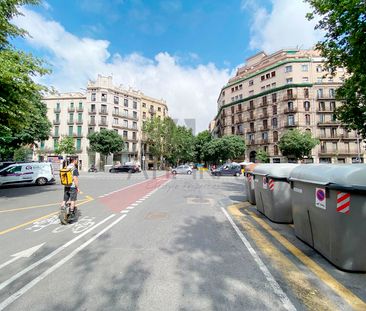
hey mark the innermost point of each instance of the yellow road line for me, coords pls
(35, 206)
(34, 220)
(354, 301)
(312, 298)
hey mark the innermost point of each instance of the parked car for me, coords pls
(182, 169)
(230, 169)
(125, 169)
(39, 173)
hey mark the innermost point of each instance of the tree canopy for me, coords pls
(23, 118)
(225, 148)
(106, 142)
(262, 156)
(199, 145)
(66, 145)
(344, 23)
(297, 144)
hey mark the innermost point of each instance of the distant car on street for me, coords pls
(230, 169)
(182, 169)
(125, 169)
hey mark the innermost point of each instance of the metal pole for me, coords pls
(358, 148)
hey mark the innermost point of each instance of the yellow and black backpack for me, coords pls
(66, 176)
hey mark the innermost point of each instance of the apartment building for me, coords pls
(288, 89)
(102, 106)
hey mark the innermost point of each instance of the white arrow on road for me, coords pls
(23, 254)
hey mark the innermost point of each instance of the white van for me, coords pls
(27, 173)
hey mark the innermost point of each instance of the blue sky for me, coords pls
(181, 50)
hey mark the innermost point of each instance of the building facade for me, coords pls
(288, 89)
(102, 106)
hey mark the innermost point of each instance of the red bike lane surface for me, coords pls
(123, 198)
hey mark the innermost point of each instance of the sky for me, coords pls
(183, 51)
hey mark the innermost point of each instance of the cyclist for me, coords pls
(70, 192)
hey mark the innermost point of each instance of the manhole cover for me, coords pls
(199, 201)
(156, 215)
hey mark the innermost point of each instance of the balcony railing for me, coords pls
(71, 109)
(56, 110)
(325, 96)
(329, 137)
(328, 123)
(78, 135)
(92, 111)
(340, 151)
(70, 122)
(348, 136)
(103, 111)
(250, 119)
(55, 135)
(92, 123)
(103, 123)
(56, 122)
(289, 97)
(264, 128)
(290, 110)
(291, 124)
(325, 110)
(263, 115)
(250, 108)
(264, 141)
(79, 121)
(80, 109)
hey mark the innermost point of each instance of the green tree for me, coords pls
(262, 156)
(23, 154)
(200, 143)
(66, 145)
(106, 142)
(23, 117)
(182, 145)
(223, 149)
(297, 144)
(344, 23)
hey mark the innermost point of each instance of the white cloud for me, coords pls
(283, 25)
(191, 92)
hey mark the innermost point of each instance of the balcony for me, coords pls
(291, 124)
(239, 110)
(327, 137)
(92, 111)
(239, 132)
(92, 123)
(79, 121)
(71, 109)
(102, 123)
(264, 128)
(328, 123)
(250, 119)
(263, 115)
(338, 152)
(238, 121)
(325, 97)
(116, 114)
(250, 108)
(70, 122)
(56, 122)
(55, 135)
(289, 97)
(77, 135)
(80, 109)
(152, 110)
(251, 142)
(348, 136)
(264, 141)
(290, 110)
(324, 110)
(103, 112)
(251, 130)
(264, 104)
(57, 110)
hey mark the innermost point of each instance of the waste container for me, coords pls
(249, 182)
(329, 211)
(272, 191)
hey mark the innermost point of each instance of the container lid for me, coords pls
(250, 167)
(276, 170)
(323, 174)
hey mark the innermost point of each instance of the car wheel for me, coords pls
(174, 172)
(130, 171)
(112, 170)
(237, 174)
(41, 181)
(189, 172)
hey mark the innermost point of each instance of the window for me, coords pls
(321, 118)
(93, 97)
(115, 121)
(289, 80)
(143, 105)
(332, 106)
(232, 130)
(288, 68)
(92, 108)
(274, 97)
(265, 135)
(251, 104)
(251, 92)
(319, 79)
(71, 117)
(319, 93)
(335, 146)
(275, 150)
(273, 74)
(116, 110)
(42, 144)
(240, 86)
(291, 120)
(134, 147)
(125, 102)
(333, 132)
(104, 120)
(232, 120)
(232, 99)
(263, 88)
(236, 88)
(134, 105)
(144, 115)
(80, 117)
(71, 105)
(58, 106)
(134, 135)
(134, 114)
(305, 68)
(104, 109)
(116, 100)
(55, 143)
(275, 136)
(322, 106)
(78, 144)
(80, 106)
(307, 106)
(319, 68)
(263, 78)
(232, 109)
(125, 135)
(71, 129)
(104, 97)
(305, 79)
(268, 75)
(306, 93)
(274, 123)
(134, 125)
(290, 106)
(79, 130)
(273, 84)
(159, 109)
(125, 123)
(232, 90)
(125, 112)
(307, 119)
(251, 82)
(274, 109)
(331, 93)
(57, 117)
(268, 86)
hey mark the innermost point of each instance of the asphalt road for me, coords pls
(158, 242)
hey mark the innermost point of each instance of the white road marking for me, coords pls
(287, 304)
(134, 204)
(124, 212)
(55, 252)
(23, 254)
(131, 207)
(27, 287)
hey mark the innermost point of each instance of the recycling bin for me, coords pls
(272, 191)
(329, 211)
(249, 182)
